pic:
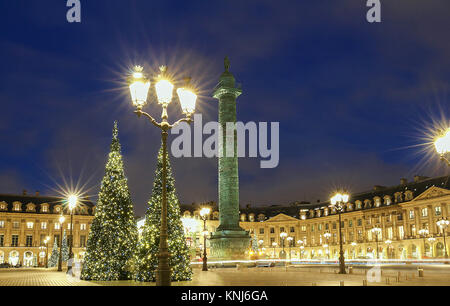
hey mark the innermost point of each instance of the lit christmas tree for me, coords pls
(53, 260)
(148, 247)
(65, 248)
(113, 235)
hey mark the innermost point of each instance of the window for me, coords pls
(303, 228)
(57, 226)
(17, 207)
(319, 227)
(272, 240)
(56, 239)
(411, 214)
(360, 235)
(15, 240)
(44, 208)
(2, 224)
(424, 212)
(390, 233)
(437, 211)
(350, 223)
(261, 230)
(43, 225)
(29, 241)
(327, 226)
(334, 225)
(312, 228)
(2, 206)
(359, 222)
(2, 240)
(292, 229)
(83, 228)
(82, 241)
(342, 224)
(413, 229)
(281, 229)
(41, 240)
(272, 230)
(68, 226)
(16, 224)
(30, 225)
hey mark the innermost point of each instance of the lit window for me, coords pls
(2, 224)
(43, 225)
(30, 225)
(411, 214)
(425, 212)
(437, 211)
(57, 226)
(16, 224)
(44, 208)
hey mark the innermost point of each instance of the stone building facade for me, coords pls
(26, 221)
(400, 211)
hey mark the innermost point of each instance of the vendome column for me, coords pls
(229, 241)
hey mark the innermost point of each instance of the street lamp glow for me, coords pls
(274, 244)
(139, 87)
(205, 211)
(423, 232)
(61, 219)
(283, 235)
(442, 143)
(164, 89)
(443, 223)
(73, 199)
(187, 100)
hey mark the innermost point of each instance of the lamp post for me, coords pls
(301, 251)
(283, 236)
(300, 243)
(443, 224)
(338, 201)
(61, 222)
(442, 146)
(72, 200)
(327, 251)
(353, 245)
(47, 239)
(139, 88)
(289, 239)
(327, 235)
(431, 240)
(204, 213)
(274, 244)
(388, 242)
(376, 230)
(424, 233)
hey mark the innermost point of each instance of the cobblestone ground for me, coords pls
(293, 276)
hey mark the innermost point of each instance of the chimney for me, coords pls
(24, 192)
(418, 178)
(37, 193)
(378, 187)
(403, 181)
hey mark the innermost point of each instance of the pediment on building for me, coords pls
(431, 193)
(281, 218)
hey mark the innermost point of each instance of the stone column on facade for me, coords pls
(229, 241)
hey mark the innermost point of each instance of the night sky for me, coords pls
(354, 100)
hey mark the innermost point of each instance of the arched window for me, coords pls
(251, 217)
(387, 200)
(243, 217)
(377, 201)
(261, 217)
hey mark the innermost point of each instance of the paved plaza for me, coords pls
(434, 275)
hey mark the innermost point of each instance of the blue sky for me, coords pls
(352, 98)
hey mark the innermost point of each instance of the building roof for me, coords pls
(25, 199)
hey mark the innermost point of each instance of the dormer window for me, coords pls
(387, 200)
(3, 206)
(377, 201)
(17, 206)
(408, 195)
(44, 208)
(358, 204)
(57, 209)
(31, 207)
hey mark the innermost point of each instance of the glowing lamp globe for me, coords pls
(61, 219)
(205, 211)
(442, 144)
(164, 91)
(139, 87)
(187, 100)
(73, 199)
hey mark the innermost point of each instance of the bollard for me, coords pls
(341, 283)
(364, 282)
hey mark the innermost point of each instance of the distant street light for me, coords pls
(289, 239)
(376, 230)
(424, 233)
(338, 202)
(431, 240)
(274, 245)
(283, 236)
(204, 213)
(443, 224)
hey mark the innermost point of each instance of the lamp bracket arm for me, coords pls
(186, 119)
(151, 119)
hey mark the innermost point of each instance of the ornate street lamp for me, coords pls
(72, 200)
(300, 243)
(431, 240)
(274, 245)
(289, 239)
(47, 239)
(376, 230)
(204, 213)
(61, 223)
(443, 224)
(442, 145)
(327, 236)
(338, 202)
(353, 245)
(424, 233)
(283, 236)
(388, 242)
(139, 87)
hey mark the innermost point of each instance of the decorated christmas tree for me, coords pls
(148, 248)
(65, 248)
(53, 260)
(113, 235)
